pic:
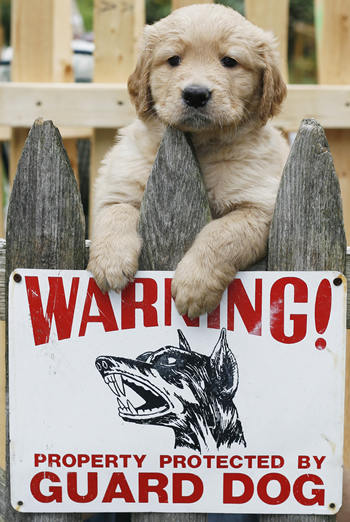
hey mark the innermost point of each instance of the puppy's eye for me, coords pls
(174, 61)
(229, 62)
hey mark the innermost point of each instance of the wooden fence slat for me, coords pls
(307, 233)
(272, 16)
(175, 205)
(41, 35)
(333, 68)
(117, 29)
(45, 229)
(175, 167)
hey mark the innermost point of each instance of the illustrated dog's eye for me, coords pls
(229, 62)
(174, 61)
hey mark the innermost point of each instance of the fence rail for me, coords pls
(103, 105)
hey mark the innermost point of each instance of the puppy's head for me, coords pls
(205, 67)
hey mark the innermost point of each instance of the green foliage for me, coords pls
(157, 9)
(237, 5)
(86, 10)
(302, 11)
(5, 8)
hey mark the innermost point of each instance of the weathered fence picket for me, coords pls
(307, 231)
(45, 230)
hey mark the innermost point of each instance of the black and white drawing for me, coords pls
(181, 389)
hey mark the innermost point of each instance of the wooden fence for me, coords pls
(42, 84)
(45, 202)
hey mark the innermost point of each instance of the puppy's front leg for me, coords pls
(224, 246)
(115, 246)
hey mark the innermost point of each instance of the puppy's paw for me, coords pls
(197, 289)
(114, 263)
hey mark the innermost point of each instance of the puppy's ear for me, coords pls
(274, 89)
(138, 83)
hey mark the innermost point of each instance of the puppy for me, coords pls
(207, 71)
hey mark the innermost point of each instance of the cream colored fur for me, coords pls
(240, 153)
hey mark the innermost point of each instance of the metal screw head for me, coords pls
(17, 278)
(337, 281)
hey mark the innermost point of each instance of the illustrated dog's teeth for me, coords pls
(113, 388)
(121, 405)
(131, 408)
(119, 382)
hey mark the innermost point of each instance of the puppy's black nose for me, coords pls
(196, 96)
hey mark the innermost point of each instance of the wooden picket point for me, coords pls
(307, 231)
(45, 229)
(175, 205)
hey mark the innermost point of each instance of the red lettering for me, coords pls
(39, 458)
(54, 459)
(56, 307)
(104, 305)
(262, 489)
(194, 461)
(198, 488)
(118, 480)
(69, 460)
(83, 459)
(159, 488)
(72, 488)
(232, 461)
(96, 461)
(318, 494)
(229, 479)
(139, 460)
(209, 459)
(179, 460)
(303, 461)
(168, 304)
(111, 459)
(164, 459)
(56, 491)
(277, 310)
(129, 303)
(221, 462)
(277, 461)
(237, 296)
(319, 461)
(263, 461)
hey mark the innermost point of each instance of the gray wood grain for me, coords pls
(45, 229)
(307, 231)
(174, 209)
(175, 204)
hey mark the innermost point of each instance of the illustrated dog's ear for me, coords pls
(138, 83)
(274, 89)
(224, 369)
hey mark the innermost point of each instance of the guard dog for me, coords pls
(181, 389)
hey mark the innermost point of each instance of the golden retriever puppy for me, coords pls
(207, 71)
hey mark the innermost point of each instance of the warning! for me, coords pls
(119, 404)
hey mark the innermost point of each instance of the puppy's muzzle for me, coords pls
(196, 96)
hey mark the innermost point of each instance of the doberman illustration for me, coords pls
(181, 389)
